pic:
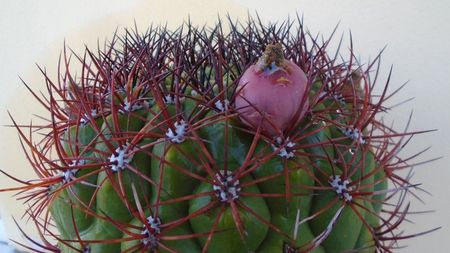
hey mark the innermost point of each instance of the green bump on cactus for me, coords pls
(255, 140)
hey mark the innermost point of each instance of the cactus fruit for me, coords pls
(261, 87)
(256, 140)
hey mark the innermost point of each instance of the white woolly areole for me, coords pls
(226, 190)
(85, 119)
(87, 249)
(151, 240)
(171, 99)
(222, 106)
(351, 151)
(70, 174)
(354, 134)
(130, 107)
(120, 158)
(341, 187)
(194, 93)
(180, 130)
(288, 248)
(338, 97)
(286, 151)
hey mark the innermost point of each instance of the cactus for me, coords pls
(256, 140)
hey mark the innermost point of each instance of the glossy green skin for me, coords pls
(108, 203)
(284, 210)
(366, 240)
(171, 181)
(227, 238)
(348, 233)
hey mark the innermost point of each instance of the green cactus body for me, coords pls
(286, 211)
(160, 150)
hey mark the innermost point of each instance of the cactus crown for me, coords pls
(145, 150)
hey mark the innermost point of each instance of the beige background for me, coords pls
(417, 35)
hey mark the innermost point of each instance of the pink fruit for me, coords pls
(271, 93)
